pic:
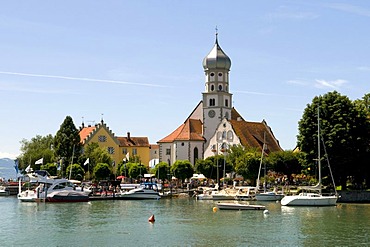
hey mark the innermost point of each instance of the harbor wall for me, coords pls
(354, 196)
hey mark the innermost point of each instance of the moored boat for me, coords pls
(53, 190)
(239, 206)
(144, 192)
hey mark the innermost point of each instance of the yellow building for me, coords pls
(120, 148)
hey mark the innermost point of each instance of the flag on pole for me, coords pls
(28, 168)
(16, 165)
(40, 161)
(87, 161)
(128, 156)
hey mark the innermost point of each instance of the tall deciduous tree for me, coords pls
(67, 141)
(161, 170)
(344, 130)
(182, 169)
(38, 147)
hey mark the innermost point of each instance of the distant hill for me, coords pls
(7, 170)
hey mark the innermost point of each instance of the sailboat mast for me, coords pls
(318, 146)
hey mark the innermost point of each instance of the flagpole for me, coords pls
(70, 169)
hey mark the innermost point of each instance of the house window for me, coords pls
(111, 150)
(224, 135)
(124, 150)
(230, 135)
(134, 151)
(102, 138)
(168, 151)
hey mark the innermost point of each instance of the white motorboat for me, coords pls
(4, 191)
(239, 206)
(53, 190)
(143, 192)
(313, 199)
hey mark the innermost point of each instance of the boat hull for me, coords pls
(68, 197)
(269, 197)
(309, 200)
(239, 206)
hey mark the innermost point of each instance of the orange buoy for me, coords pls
(151, 218)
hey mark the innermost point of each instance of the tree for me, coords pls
(76, 173)
(96, 155)
(286, 162)
(206, 167)
(67, 141)
(182, 169)
(344, 130)
(39, 147)
(102, 171)
(247, 164)
(161, 170)
(51, 168)
(136, 170)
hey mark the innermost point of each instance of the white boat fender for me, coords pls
(266, 211)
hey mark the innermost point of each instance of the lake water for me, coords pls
(179, 222)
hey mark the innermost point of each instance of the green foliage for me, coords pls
(67, 141)
(136, 170)
(102, 171)
(39, 147)
(182, 169)
(51, 168)
(345, 131)
(286, 162)
(206, 167)
(161, 170)
(76, 173)
(247, 164)
(96, 155)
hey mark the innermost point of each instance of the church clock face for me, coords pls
(211, 113)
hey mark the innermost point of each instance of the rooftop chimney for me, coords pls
(128, 135)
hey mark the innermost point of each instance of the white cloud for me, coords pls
(80, 79)
(350, 9)
(329, 84)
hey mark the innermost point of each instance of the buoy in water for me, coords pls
(151, 218)
(266, 211)
(214, 209)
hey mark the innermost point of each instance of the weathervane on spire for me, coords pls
(216, 34)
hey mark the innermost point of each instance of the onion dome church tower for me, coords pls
(217, 100)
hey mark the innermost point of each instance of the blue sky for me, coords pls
(138, 64)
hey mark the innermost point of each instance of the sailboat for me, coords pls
(312, 198)
(266, 195)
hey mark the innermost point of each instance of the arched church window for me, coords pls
(230, 135)
(212, 102)
(226, 102)
(219, 135)
(224, 135)
(220, 77)
(212, 87)
(195, 154)
(220, 87)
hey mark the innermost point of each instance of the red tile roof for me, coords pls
(85, 132)
(252, 134)
(191, 130)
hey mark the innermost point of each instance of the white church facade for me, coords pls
(214, 125)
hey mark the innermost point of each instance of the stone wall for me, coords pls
(354, 196)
